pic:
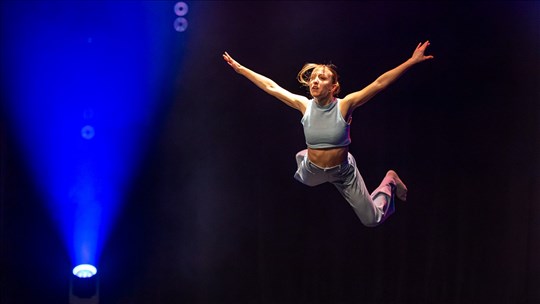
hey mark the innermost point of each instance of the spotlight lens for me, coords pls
(84, 271)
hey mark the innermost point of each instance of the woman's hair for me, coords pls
(304, 75)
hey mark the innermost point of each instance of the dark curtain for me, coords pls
(215, 216)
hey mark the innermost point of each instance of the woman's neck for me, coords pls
(324, 101)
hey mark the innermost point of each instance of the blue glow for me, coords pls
(82, 79)
(84, 271)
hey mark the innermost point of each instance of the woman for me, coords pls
(326, 120)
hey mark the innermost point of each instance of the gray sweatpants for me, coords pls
(371, 209)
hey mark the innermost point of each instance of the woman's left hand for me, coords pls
(418, 55)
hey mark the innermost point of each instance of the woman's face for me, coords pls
(321, 83)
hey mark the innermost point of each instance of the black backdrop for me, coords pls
(215, 216)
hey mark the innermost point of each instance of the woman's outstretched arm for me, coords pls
(356, 99)
(298, 102)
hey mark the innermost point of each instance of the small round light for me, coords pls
(180, 24)
(181, 9)
(88, 132)
(88, 113)
(84, 271)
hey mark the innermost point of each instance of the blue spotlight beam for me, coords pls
(82, 78)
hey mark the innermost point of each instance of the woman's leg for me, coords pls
(372, 209)
(351, 185)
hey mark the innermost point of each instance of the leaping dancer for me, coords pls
(327, 120)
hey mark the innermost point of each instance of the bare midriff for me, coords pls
(326, 158)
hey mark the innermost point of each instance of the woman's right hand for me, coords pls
(233, 63)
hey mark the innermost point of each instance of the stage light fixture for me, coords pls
(102, 65)
(84, 286)
(84, 270)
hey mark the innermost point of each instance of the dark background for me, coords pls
(215, 216)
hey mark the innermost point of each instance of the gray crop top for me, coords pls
(325, 127)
